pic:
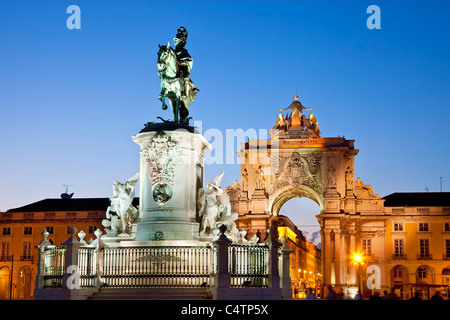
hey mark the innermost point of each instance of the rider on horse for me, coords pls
(178, 87)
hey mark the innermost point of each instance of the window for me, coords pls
(398, 226)
(424, 247)
(397, 272)
(71, 214)
(28, 215)
(367, 246)
(398, 247)
(92, 229)
(27, 250)
(49, 230)
(422, 273)
(49, 215)
(447, 248)
(93, 214)
(423, 226)
(6, 231)
(446, 276)
(447, 226)
(5, 250)
(28, 230)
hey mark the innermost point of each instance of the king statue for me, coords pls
(174, 69)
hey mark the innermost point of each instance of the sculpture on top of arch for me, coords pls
(296, 119)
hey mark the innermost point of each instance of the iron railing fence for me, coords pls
(159, 266)
(54, 267)
(248, 265)
(165, 266)
(87, 266)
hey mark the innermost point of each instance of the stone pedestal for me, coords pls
(171, 173)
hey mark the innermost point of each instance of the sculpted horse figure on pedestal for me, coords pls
(174, 68)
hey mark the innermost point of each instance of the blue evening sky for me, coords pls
(70, 100)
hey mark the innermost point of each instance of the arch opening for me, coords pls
(302, 212)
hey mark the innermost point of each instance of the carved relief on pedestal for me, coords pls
(162, 154)
(297, 169)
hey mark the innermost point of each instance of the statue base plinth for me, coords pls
(171, 173)
(163, 229)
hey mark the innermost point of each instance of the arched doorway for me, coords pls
(446, 276)
(424, 277)
(4, 283)
(298, 206)
(399, 280)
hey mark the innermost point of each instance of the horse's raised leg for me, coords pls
(163, 100)
(177, 108)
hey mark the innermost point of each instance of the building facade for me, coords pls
(418, 243)
(20, 233)
(367, 243)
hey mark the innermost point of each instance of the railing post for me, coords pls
(41, 260)
(274, 245)
(71, 262)
(222, 277)
(99, 261)
(285, 281)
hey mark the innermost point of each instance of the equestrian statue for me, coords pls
(174, 69)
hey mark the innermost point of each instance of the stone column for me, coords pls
(333, 258)
(274, 245)
(353, 280)
(285, 277)
(41, 260)
(323, 270)
(222, 277)
(71, 261)
(99, 256)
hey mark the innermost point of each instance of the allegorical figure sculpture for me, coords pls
(297, 118)
(215, 210)
(364, 191)
(174, 69)
(122, 204)
(260, 181)
(213, 204)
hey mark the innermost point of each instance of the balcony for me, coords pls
(5, 258)
(26, 258)
(399, 256)
(424, 256)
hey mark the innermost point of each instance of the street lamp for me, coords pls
(358, 261)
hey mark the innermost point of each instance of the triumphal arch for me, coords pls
(297, 162)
